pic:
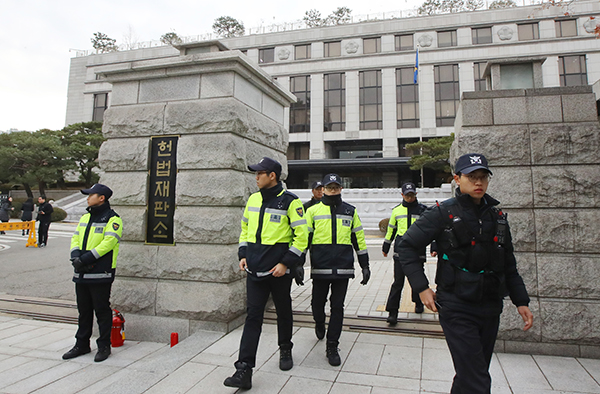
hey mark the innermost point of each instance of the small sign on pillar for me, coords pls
(161, 191)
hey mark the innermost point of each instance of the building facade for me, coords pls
(360, 101)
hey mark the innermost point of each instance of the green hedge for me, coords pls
(58, 215)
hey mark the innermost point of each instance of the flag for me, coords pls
(416, 66)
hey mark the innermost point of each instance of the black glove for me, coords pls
(366, 274)
(298, 272)
(87, 258)
(80, 266)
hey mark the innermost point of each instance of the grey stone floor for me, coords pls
(30, 362)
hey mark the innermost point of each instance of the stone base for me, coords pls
(548, 349)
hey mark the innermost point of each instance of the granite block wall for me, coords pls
(542, 145)
(228, 114)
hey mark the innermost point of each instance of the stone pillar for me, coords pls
(228, 113)
(542, 145)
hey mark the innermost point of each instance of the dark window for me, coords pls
(300, 110)
(334, 108)
(572, 70)
(266, 55)
(302, 52)
(404, 42)
(372, 45)
(298, 151)
(566, 28)
(529, 31)
(480, 83)
(407, 98)
(362, 149)
(482, 35)
(446, 38)
(370, 112)
(333, 49)
(447, 94)
(402, 151)
(100, 105)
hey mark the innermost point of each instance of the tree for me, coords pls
(104, 44)
(83, 141)
(473, 5)
(130, 38)
(312, 18)
(435, 154)
(171, 38)
(496, 4)
(339, 16)
(432, 7)
(228, 27)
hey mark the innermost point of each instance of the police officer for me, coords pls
(476, 269)
(274, 234)
(336, 231)
(94, 250)
(403, 215)
(317, 194)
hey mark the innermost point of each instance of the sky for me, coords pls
(38, 39)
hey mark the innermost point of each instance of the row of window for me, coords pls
(357, 149)
(572, 72)
(404, 42)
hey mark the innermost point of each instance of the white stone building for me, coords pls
(358, 105)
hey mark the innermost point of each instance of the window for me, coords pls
(566, 28)
(404, 42)
(370, 113)
(372, 45)
(298, 151)
(407, 98)
(334, 111)
(300, 110)
(529, 31)
(362, 149)
(481, 35)
(572, 70)
(333, 49)
(403, 151)
(302, 52)
(266, 55)
(447, 94)
(446, 38)
(478, 69)
(100, 105)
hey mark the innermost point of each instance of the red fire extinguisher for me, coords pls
(117, 334)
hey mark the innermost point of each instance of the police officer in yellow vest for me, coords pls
(336, 232)
(94, 250)
(274, 235)
(403, 215)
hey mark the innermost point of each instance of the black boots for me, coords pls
(285, 357)
(76, 351)
(320, 330)
(419, 308)
(332, 354)
(393, 318)
(102, 354)
(242, 378)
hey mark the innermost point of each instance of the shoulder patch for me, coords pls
(115, 226)
(300, 212)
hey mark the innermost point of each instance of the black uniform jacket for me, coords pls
(475, 276)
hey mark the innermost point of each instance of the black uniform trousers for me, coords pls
(257, 295)
(43, 233)
(471, 342)
(93, 298)
(393, 302)
(320, 289)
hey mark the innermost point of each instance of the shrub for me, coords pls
(58, 215)
(383, 224)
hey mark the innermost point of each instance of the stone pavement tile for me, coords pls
(343, 388)
(125, 381)
(183, 379)
(496, 372)
(402, 362)
(316, 359)
(592, 366)
(522, 372)
(19, 339)
(40, 341)
(24, 371)
(437, 365)
(304, 342)
(79, 380)
(576, 379)
(8, 324)
(42, 378)
(13, 361)
(378, 381)
(11, 350)
(435, 386)
(296, 385)
(385, 390)
(61, 346)
(390, 339)
(17, 329)
(215, 359)
(213, 383)
(435, 343)
(302, 371)
(501, 390)
(228, 345)
(134, 350)
(364, 358)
